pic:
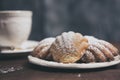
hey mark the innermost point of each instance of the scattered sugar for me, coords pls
(7, 69)
(79, 75)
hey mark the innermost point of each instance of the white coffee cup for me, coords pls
(15, 27)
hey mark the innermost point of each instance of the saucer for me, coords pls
(26, 46)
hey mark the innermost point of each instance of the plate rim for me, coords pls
(22, 50)
(52, 64)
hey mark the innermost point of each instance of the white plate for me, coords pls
(26, 46)
(53, 64)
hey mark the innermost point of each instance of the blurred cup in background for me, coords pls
(15, 27)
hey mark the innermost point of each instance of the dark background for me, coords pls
(100, 18)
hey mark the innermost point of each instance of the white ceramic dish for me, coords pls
(27, 46)
(52, 64)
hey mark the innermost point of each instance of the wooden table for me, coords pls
(18, 68)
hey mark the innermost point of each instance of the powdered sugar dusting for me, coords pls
(65, 42)
(91, 39)
(95, 42)
(68, 41)
(47, 41)
(101, 44)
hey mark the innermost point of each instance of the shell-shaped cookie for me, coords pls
(68, 47)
